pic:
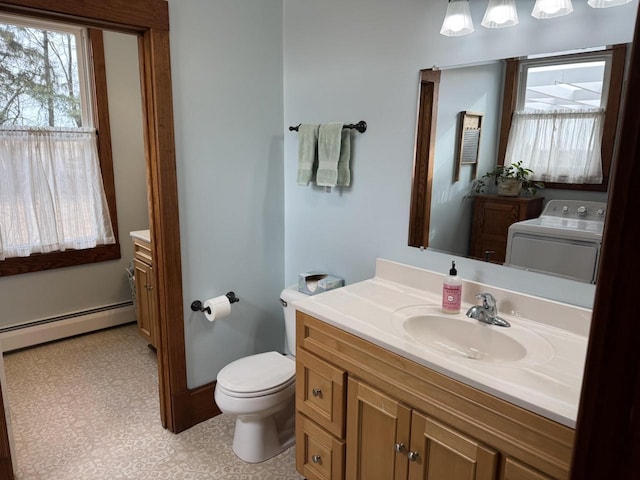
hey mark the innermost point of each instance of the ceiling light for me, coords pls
(500, 13)
(607, 3)
(457, 21)
(551, 8)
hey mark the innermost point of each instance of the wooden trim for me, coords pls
(608, 428)
(98, 76)
(420, 213)
(165, 231)
(609, 129)
(509, 99)
(6, 468)
(136, 15)
(201, 404)
(68, 258)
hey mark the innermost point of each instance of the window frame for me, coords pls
(97, 84)
(512, 92)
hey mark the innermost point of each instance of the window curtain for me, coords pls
(51, 192)
(559, 146)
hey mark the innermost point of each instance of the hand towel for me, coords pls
(329, 141)
(344, 174)
(307, 148)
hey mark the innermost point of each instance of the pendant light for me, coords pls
(500, 13)
(551, 8)
(607, 3)
(457, 20)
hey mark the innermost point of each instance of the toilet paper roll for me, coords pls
(219, 308)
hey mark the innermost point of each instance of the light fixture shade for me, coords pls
(457, 21)
(551, 8)
(500, 13)
(607, 3)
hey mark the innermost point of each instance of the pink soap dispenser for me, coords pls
(452, 291)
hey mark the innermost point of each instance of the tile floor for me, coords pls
(87, 408)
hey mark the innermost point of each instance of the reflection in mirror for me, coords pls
(461, 222)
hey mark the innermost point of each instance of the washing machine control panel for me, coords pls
(576, 209)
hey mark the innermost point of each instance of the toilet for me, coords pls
(259, 390)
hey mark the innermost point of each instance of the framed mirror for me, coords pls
(445, 211)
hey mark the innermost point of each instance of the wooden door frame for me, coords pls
(180, 407)
(608, 426)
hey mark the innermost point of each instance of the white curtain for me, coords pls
(51, 192)
(559, 146)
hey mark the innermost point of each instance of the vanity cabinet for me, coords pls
(146, 300)
(388, 440)
(492, 216)
(366, 413)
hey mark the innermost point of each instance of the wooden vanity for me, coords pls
(146, 298)
(364, 412)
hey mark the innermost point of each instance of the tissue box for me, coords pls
(313, 283)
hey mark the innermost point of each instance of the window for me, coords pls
(57, 197)
(561, 116)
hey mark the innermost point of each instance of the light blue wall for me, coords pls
(347, 60)
(227, 68)
(476, 89)
(243, 72)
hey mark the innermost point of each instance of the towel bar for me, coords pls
(361, 126)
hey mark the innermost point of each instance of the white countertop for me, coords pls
(144, 235)
(547, 383)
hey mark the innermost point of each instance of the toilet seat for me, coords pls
(257, 375)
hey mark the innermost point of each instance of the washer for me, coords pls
(565, 240)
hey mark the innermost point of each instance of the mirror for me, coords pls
(460, 222)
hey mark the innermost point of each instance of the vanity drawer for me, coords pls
(142, 251)
(319, 455)
(320, 392)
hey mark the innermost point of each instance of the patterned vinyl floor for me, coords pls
(86, 408)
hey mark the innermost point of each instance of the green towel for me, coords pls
(329, 141)
(307, 148)
(344, 174)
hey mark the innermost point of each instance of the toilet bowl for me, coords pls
(259, 390)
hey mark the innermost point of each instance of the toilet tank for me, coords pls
(289, 295)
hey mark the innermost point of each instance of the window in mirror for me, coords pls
(560, 116)
(52, 197)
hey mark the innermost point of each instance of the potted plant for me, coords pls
(510, 180)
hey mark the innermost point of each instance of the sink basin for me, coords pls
(461, 336)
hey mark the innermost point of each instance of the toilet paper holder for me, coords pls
(196, 305)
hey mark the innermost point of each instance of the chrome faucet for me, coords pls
(487, 312)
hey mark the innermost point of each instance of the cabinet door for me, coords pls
(440, 452)
(145, 307)
(514, 470)
(377, 434)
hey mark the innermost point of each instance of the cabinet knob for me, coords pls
(316, 392)
(149, 287)
(316, 459)
(413, 456)
(399, 447)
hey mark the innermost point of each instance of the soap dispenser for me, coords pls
(452, 291)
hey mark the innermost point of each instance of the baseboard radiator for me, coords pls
(45, 330)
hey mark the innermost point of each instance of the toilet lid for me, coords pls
(257, 373)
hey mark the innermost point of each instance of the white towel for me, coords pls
(307, 152)
(329, 141)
